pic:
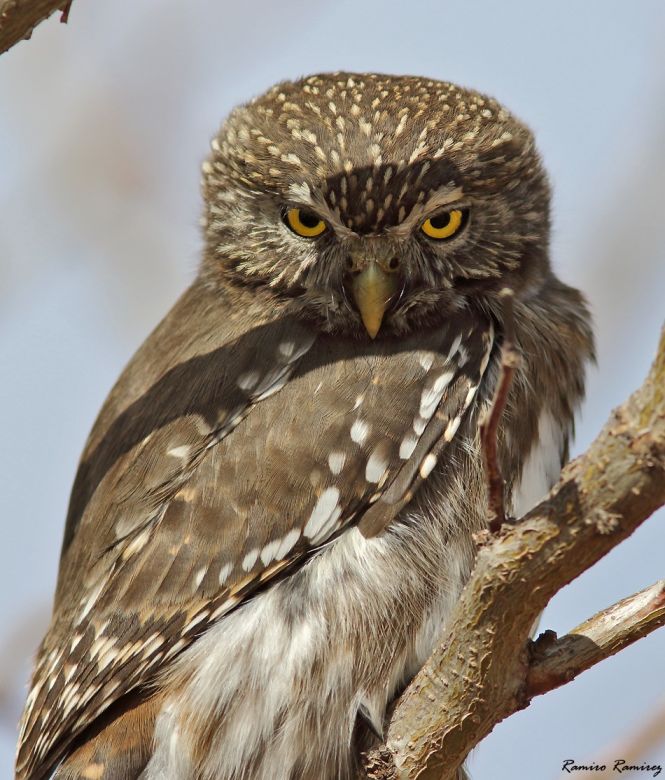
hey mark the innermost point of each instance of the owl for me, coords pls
(274, 512)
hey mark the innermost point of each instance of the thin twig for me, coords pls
(64, 16)
(490, 424)
(555, 662)
(18, 18)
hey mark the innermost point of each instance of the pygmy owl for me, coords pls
(274, 512)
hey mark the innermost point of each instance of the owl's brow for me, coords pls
(304, 195)
(444, 196)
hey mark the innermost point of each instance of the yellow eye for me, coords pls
(444, 225)
(305, 223)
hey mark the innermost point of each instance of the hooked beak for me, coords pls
(373, 290)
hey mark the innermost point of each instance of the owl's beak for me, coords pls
(373, 290)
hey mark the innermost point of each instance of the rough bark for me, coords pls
(18, 18)
(487, 668)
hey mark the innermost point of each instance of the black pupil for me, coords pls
(440, 221)
(308, 219)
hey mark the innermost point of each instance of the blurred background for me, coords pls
(103, 126)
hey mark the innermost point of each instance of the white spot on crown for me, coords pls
(301, 192)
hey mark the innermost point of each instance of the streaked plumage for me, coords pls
(261, 547)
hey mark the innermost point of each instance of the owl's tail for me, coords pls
(118, 747)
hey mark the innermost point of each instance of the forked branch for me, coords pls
(486, 667)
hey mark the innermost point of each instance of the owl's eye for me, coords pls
(445, 225)
(304, 223)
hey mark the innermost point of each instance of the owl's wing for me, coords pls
(233, 466)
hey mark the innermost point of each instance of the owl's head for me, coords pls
(376, 201)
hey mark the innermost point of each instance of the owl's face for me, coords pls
(376, 204)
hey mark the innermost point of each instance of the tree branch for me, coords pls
(555, 662)
(18, 18)
(484, 670)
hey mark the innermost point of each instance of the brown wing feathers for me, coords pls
(175, 555)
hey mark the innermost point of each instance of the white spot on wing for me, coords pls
(336, 462)
(200, 574)
(272, 383)
(419, 425)
(359, 431)
(431, 396)
(377, 463)
(407, 446)
(250, 559)
(292, 351)
(427, 465)
(328, 527)
(470, 395)
(92, 598)
(224, 572)
(137, 544)
(268, 552)
(106, 659)
(195, 621)
(248, 380)
(287, 543)
(454, 346)
(179, 452)
(451, 428)
(152, 643)
(287, 348)
(426, 359)
(99, 646)
(442, 381)
(323, 510)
